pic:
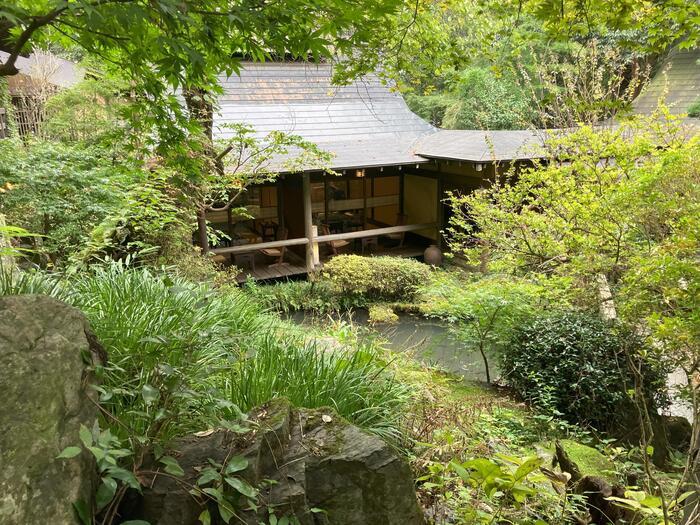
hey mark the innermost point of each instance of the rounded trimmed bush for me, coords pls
(575, 364)
(382, 278)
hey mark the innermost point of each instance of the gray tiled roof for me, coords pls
(679, 77)
(61, 72)
(482, 146)
(363, 124)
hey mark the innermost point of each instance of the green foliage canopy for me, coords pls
(160, 46)
(574, 365)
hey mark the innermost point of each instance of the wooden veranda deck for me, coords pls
(296, 266)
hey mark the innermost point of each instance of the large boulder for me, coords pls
(322, 469)
(45, 347)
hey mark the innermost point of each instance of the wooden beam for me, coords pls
(374, 232)
(247, 248)
(325, 197)
(308, 221)
(440, 212)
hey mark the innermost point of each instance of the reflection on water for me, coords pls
(427, 340)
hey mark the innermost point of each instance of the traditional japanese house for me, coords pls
(393, 170)
(40, 76)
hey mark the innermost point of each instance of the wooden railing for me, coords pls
(246, 248)
(373, 233)
(376, 232)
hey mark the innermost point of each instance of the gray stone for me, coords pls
(679, 432)
(316, 460)
(44, 347)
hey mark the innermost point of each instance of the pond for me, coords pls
(427, 340)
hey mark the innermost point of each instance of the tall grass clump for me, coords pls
(293, 296)
(352, 381)
(17, 282)
(166, 340)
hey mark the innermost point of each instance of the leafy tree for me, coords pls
(484, 312)
(168, 44)
(487, 100)
(478, 98)
(663, 22)
(59, 192)
(614, 205)
(89, 113)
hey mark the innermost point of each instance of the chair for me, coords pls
(333, 245)
(369, 243)
(400, 221)
(269, 231)
(277, 253)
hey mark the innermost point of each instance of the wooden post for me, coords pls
(325, 197)
(308, 221)
(202, 231)
(372, 193)
(401, 188)
(440, 217)
(280, 202)
(364, 200)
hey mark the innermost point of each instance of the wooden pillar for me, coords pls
(372, 194)
(401, 189)
(364, 201)
(308, 222)
(440, 216)
(280, 202)
(325, 197)
(202, 231)
(229, 221)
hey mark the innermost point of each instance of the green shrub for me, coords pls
(382, 314)
(58, 191)
(15, 282)
(378, 278)
(431, 107)
(485, 100)
(166, 339)
(312, 375)
(574, 364)
(694, 109)
(292, 296)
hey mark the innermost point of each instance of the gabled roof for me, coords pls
(58, 71)
(363, 124)
(678, 79)
(481, 145)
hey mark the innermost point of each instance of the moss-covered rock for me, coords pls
(590, 461)
(44, 348)
(382, 314)
(315, 459)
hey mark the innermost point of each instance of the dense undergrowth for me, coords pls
(481, 455)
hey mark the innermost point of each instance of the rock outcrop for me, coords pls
(45, 347)
(315, 460)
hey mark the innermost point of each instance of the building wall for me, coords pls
(420, 202)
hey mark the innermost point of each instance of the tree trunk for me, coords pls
(607, 304)
(202, 231)
(201, 110)
(691, 511)
(486, 363)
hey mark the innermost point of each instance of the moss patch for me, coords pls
(589, 460)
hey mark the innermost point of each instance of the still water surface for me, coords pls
(428, 340)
